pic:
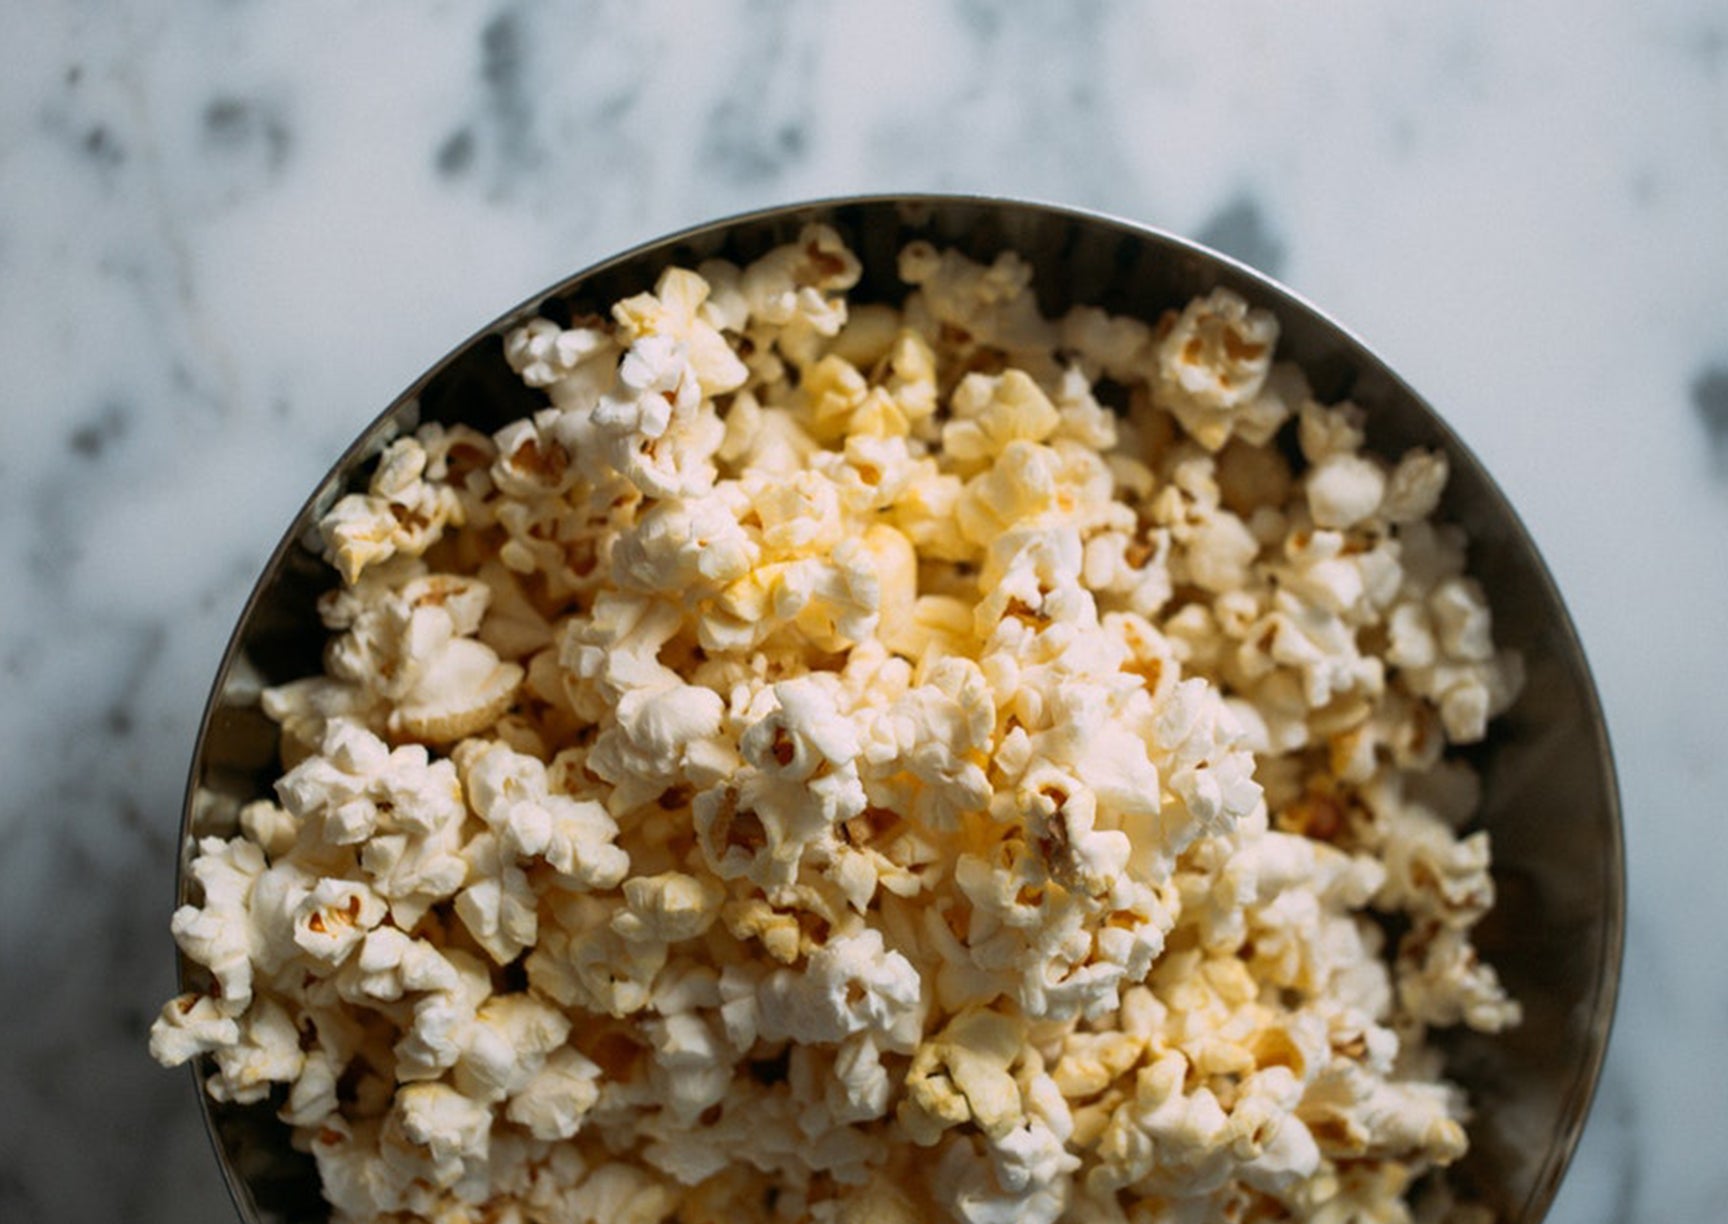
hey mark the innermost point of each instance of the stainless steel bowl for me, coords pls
(1550, 799)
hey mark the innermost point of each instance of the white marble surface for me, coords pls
(230, 232)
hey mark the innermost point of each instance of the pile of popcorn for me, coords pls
(854, 762)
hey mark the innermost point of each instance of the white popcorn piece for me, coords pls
(1117, 346)
(217, 933)
(554, 1102)
(305, 708)
(1414, 486)
(580, 960)
(268, 1053)
(619, 1193)
(1062, 816)
(355, 1180)
(851, 985)
(691, 544)
(1019, 488)
(334, 917)
(674, 310)
(409, 641)
(389, 960)
(1163, 1132)
(1430, 871)
(990, 412)
(514, 627)
(1353, 1113)
(1220, 550)
(1343, 489)
(799, 780)
(442, 1125)
(984, 304)
(1324, 431)
(442, 1015)
(797, 289)
(1211, 363)
(531, 462)
(415, 871)
(667, 908)
(504, 1049)
(1441, 982)
(190, 1025)
(563, 552)
(401, 515)
(1460, 618)
(271, 827)
(692, 1064)
(1318, 646)
(935, 734)
(313, 1097)
(649, 426)
(1136, 571)
(861, 1090)
(498, 907)
(1275, 1147)
(834, 394)
(830, 601)
(358, 786)
(406, 808)
(1027, 1183)
(545, 354)
(511, 792)
(965, 1075)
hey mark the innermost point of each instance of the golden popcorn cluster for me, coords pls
(845, 761)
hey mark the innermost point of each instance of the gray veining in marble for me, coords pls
(230, 232)
(1710, 398)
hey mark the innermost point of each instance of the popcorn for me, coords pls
(553, 1103)
(391, 963)
(268, 1053)
(409, 642)
(512, 793)
(217, 934)
(990, 412)
(441, 1123)
(1031, 1185)
(1210, 365)
(191, 1025)
(1164, 1135)
(546, 355)
(507, 1045)
(674, 310)
(334, 917)
(923, 752)
(825, 764)
(1343, 489)
(987, 306)
(1442, 983)
(694, 544)
(849, 986)
(401, 515)
(498, 906)
(964, 1076)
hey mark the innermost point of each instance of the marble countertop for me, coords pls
(231, 231)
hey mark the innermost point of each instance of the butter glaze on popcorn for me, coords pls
(825, 733)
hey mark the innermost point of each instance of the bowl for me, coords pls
(1549, 793)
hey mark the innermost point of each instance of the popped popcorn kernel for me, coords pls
(1210, 365)
(849, 761)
